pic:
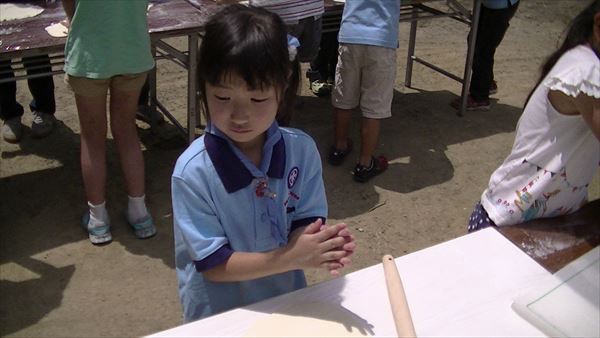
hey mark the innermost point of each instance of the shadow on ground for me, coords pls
(41, 210)
(414, 140)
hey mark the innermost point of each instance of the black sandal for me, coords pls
(336, 157)
(363, 174)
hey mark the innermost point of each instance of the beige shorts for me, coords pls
(365, 75)
(84, 86)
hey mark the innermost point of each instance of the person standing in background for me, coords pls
(108, 49)
(493, 24)
(321, 74)
(43, 105)
(365, 77)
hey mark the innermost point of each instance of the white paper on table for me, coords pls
(460, 288)
(571, 306)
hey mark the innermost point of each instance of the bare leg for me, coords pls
(92, 121)
(123, 105)
(342, 124)
(369, 135)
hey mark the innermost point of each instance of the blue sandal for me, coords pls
(144, 229)
(99, 234)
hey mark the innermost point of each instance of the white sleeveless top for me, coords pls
(555, 156)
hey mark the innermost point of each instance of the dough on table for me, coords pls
(16, 11)
(311, 320)
(57, 30)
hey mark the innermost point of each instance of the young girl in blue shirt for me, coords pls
(248, 198)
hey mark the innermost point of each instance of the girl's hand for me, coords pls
(314, 247)
(348, 247)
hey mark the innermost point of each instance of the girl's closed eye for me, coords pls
(259, 100)
(222, 98)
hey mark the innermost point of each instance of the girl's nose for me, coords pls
(239, 115)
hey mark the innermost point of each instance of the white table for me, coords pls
(460, 288)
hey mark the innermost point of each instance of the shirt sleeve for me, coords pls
(574, 74)
(197, 228)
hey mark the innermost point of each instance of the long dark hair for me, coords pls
(252, 43)
(579, 32)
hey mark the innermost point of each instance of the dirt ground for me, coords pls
(53, 282)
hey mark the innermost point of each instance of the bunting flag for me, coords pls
(563, 173)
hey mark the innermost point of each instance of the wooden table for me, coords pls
(554, 242)
(175, 18)
(166, 19)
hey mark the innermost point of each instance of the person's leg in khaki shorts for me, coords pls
(345, 97)
(365, 75)
(124, 94)
(377, 91)
(90, 98)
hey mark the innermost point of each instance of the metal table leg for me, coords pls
(411, 48)
(470, 52)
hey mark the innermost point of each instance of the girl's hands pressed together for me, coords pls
(348, 247)
(318, 245)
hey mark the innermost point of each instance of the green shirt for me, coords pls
(108, 38)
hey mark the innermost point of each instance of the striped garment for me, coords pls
(291, 11)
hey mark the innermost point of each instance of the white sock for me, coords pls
(136, 209)
(98, 214)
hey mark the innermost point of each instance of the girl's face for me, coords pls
(241, 113)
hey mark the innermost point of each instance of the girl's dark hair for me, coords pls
(579, 32)
(252, 43)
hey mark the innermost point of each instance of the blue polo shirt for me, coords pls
(369, 22)
(223, 203)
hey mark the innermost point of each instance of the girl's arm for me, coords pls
(589, 108)
(309, 247)
(69, 7)
(586, 106)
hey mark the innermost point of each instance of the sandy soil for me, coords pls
(55, 283)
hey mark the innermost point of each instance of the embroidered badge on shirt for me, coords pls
(292, 176)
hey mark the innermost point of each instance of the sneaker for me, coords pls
(363, 174)
(493, 88)
(42, 124)
(336, 156)
(320, 88)
(145, 228)
(12, 130)
(472, 104)
(98, 234)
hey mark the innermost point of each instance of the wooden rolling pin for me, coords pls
(400, 310)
